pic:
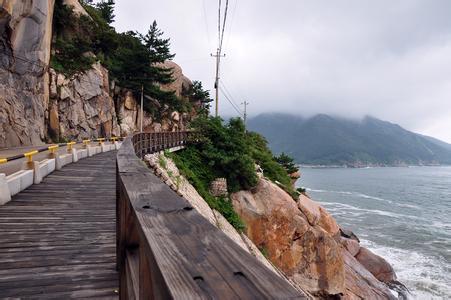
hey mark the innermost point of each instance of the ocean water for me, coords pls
(402, 214)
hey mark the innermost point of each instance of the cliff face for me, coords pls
(37, 104)
(81, 107)
(26, 31)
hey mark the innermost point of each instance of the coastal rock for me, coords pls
(317, 215)
(376, 265)
(349, 234)
(360, 283)
(26, 30)
(307, 254)
(352, 246)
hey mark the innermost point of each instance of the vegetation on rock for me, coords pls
(227, 151)
(134, 60)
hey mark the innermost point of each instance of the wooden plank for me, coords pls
(57, 239)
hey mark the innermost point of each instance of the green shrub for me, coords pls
(228, 151)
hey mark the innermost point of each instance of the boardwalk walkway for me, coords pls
(57, 239)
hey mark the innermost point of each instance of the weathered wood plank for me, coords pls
(57, 239)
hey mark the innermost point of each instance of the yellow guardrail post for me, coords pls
(53, 148)
(101, 141)
(70, 146)
(29, 155)
(86, 143)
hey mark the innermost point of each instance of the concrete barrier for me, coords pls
(62, 160)
(42, 169)
(5, 194)
(35, 171)
(93, 150)
(82, 153)
(108, 147)
(19, 181)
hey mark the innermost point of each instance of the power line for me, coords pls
(231, 23)
(219, 23)
(224, 24)
(219, 54)
(229, 94)
(231, 102)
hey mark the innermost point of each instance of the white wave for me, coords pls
(362, 195)
(337, 205)
(426, 277)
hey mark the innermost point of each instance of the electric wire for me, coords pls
(231, 24)
(224, 24)
(229, 94)
(230, 97)
(230, 101)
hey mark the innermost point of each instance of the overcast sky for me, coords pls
(388, 58)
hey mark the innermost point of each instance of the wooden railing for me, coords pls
(167, 250)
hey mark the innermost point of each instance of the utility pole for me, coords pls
(245, 112)
(218, 56)
(142, 106)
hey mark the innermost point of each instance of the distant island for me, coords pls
(325, 140)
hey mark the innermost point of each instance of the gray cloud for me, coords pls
(390, 59)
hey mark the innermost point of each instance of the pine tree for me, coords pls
(159, 47)
(106, 9)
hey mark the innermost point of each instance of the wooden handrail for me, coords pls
(167, 250)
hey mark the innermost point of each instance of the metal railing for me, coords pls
(167, 250)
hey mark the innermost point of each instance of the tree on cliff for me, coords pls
(134, 60)
(106, 9)
(287, 162)
(159, 47)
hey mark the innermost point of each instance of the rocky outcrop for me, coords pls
(376, 265)
(360, 283)
(26, 31)
(180, 84)
(307, 253)
(306, 243)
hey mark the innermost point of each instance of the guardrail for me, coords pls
(32, 172)
(167, 250)
(29, 154)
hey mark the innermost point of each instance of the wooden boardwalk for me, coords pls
(57, 239)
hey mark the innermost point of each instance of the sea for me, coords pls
(402, 214)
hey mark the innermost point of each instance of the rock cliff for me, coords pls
(85, 106)
(39, 105)
(26, 31)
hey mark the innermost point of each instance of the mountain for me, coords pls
(327, 140)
